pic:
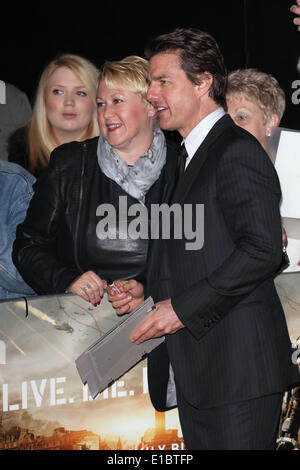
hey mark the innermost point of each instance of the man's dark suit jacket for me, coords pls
(235, 345)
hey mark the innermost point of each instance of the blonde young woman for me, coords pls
(64, 111)
(60, 246)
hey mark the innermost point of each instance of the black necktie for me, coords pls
(181, 159)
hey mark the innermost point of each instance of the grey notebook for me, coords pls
(114, 354)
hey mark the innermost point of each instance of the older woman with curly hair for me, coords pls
(255, 102)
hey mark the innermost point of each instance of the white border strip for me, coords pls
(2, 92)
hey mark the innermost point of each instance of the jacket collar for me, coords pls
(195, 138)
(199, 158)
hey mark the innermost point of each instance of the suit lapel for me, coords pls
(198, 160)
(155, 253)
(170, 173)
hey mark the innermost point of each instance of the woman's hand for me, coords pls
(89, 286)
(131, 295)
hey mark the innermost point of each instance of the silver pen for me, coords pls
(113, 286)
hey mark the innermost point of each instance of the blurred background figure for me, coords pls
(15, 194)
(15, 111)
(296, 10)
(64, 110)
(255, 102)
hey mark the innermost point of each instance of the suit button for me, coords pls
(208, 324)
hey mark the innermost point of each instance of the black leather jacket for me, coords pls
(57, 241)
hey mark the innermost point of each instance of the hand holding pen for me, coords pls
(114, 288)
(126, 295)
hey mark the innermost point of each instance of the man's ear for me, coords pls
(205, 81)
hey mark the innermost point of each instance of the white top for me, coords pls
(195, 138)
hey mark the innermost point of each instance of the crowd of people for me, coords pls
(96, 137)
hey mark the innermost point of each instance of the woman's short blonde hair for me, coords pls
(41, 139)
(260, 87)
(129, 73)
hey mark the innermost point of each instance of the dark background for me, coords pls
(250, 33)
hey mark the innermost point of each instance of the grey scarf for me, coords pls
(136, 180)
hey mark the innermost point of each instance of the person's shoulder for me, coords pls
(230, 130)
(20, 134)
(17, 106)
(15, 174)
(17, 97)
(70, 154)
(13, 169)
(12, 90)
(77, 147)
(239, 147)
(234, 140)
(17, 142)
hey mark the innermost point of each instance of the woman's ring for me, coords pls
(86, 288)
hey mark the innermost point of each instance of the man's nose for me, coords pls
(152, 93)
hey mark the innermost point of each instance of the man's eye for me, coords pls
(99, 104)
(117, 100)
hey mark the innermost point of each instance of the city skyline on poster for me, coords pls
(42, 391)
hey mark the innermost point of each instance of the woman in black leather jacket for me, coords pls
(76, 234)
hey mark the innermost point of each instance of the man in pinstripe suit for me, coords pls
(227, 346)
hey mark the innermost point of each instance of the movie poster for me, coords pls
(44, 405)
(287, 285)
(283, 150)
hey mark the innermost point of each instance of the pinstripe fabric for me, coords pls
(247, 425)
(235, 345)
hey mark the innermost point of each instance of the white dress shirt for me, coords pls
(195, 138)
